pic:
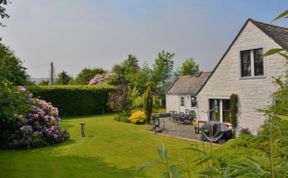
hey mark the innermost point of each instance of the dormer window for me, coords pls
(252, 64)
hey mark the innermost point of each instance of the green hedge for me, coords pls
(75, 100)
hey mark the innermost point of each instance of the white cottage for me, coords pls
(244, 71)
(182, 94)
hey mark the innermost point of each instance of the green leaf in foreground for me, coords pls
(273, 51)
(282, 15)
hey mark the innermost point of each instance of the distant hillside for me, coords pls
(37, 80)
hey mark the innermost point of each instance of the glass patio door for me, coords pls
(219, 110)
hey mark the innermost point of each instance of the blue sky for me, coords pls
(92, 33)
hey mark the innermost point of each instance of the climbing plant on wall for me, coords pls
(233, 109)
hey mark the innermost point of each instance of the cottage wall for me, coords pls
(253, 93)
(172, 103)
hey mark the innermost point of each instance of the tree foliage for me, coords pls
(138, 77)
(132, 74)
(3, 13)
(233, 109)
(11, 67)
(86, 75)
(162, 72)
(63, 78)
(142, 78)
(44, 82)
(189, 67)
(128, 67)
(163, 67)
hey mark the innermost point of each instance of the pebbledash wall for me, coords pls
(253, 93)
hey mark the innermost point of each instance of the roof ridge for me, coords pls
(263, 23)
(270, 30)
(187, 84)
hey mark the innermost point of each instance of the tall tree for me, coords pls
(63, 78)
(189, 67)
(162, 72)
(163, 67)
(127, 68)
(86, 75)
(141, 78)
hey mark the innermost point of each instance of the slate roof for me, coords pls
(189, 85)
(278, 34)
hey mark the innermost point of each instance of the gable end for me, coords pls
(266, 29)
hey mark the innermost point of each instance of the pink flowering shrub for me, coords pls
(101, 78)
(37, 127)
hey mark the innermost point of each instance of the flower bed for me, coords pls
(36, 126)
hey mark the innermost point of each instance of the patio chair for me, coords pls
(181, 118)
(172, 115)
(192, 116)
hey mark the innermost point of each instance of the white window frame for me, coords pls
(253, 76)
(220, 105)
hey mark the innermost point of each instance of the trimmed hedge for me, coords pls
(75, 100)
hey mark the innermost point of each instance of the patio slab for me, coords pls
(179, 130)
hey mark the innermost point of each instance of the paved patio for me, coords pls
(180, 130)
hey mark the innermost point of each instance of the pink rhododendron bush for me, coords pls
(33, 124)
(102, 78)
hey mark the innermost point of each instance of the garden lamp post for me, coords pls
(82, 129)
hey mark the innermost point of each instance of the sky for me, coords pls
(75, 34)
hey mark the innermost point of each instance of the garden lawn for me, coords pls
(110, 149)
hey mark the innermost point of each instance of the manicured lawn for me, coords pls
(111, 149)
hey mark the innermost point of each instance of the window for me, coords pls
(219, 110)
(182, 101)
(245, 63)
(193, 101)
(252, 63)
(258, 62)
(226, 110)
(214, 109)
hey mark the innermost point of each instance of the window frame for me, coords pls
(182, 102)
(220, 108)
(193, 104)
(254, 61)
(252, 64)
(241, 63)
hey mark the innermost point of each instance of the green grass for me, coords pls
(111, 149)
